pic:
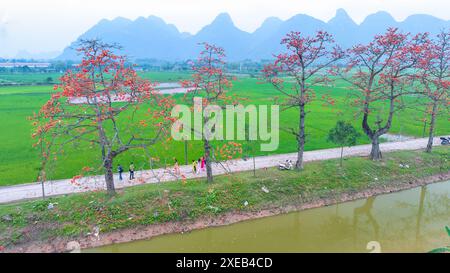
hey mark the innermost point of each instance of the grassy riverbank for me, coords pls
(73, 217)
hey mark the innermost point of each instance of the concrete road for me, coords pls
(65, 186)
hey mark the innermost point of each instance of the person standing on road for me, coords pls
(176, 167)
(203, 164)
(131, 171)
(194, 166)
(120, 170)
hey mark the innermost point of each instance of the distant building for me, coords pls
(24, 64)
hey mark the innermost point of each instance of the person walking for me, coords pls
(120, 170)
(194, 166)
(131, 171)
(199, 163)
(203, 164)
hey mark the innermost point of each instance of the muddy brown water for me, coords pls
(409, 221)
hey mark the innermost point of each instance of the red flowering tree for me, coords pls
(302, 65)
(381, 72)
(434, 76)
(98, 104)
(210, 82)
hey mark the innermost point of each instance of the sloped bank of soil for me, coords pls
(147, 232)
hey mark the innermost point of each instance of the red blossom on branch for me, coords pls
(98, 103)
(380, 72)
(298, 70)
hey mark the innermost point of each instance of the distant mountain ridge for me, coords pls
(152, 38)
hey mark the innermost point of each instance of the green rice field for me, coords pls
(19, 161)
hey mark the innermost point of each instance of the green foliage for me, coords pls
(41, 205)
(343, 134)
(444, 249)
(440, 250)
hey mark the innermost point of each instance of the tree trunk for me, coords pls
(109, 177)
(209, 174)
(431, 132)
(106, 156)
(301, 138)
(43, 188)
(342, 154)
(375, 153)
(424, 128)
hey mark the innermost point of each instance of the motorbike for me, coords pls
(287, 165)
(445, 140)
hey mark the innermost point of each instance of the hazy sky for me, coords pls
(50, 25)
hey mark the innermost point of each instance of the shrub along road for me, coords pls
(67, 186)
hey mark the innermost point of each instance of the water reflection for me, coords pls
(408, 221)
(365, 210)
(420, 214)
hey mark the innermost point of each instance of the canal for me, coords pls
(409, 221)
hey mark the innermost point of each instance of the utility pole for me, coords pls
(254, 166)
(186, 152)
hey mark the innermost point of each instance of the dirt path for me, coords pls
(65, 186)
